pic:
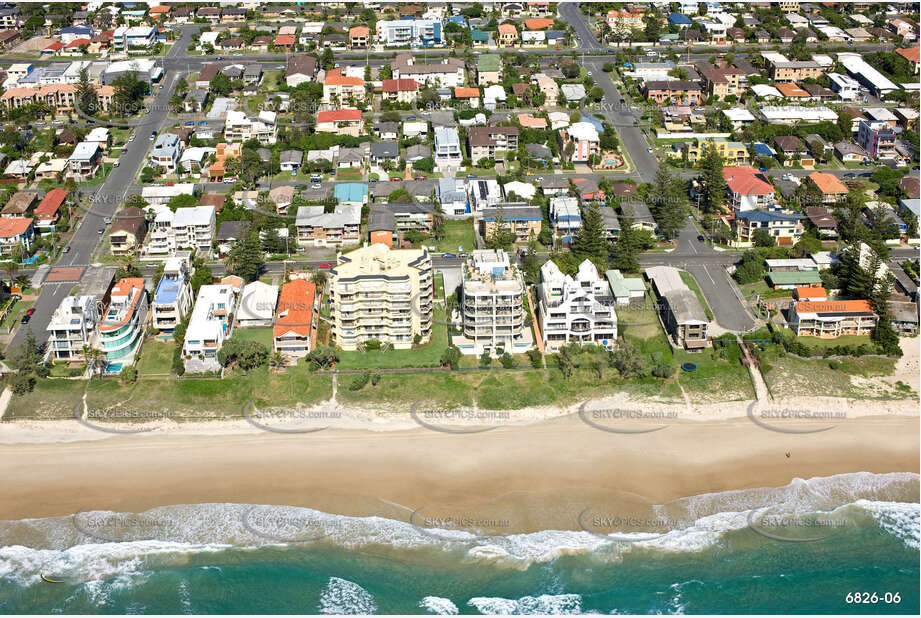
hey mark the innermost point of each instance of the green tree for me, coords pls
(128, 94)
(451, 356)
(590, 242)
(246, 257)
(668, 202)
(220, 84)
(244, 353)
(201, 276)
(712, 182)
(85, 99)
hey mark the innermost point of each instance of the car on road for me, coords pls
(220, 57)
(649, 150)
(102, 230)
(472, 176)
(30, 311)
(463, 256)
(372, 180)
(866, 175)
(66, 249)
(395, 179)
(108, 220)
(116, 164)
(701, 238)
(316, 185)
(410, 118)
(153, 135)
(449, 256)
(25, 319)
(325, 265)
(131, 139)
(850, 175)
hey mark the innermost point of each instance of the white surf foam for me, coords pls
(552, 604)
(439, 605)
(899, 519)
(342, 596)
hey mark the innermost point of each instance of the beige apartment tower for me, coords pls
(382, 294)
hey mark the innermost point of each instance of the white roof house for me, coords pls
(583, 131)
(99, 135)
(207, 326)
(866, 74)
(257, 304)
(764, 90)
(573, 92)
(796, 113)
(521, 189)
(161, 194)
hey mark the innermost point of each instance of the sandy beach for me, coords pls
(506, 472)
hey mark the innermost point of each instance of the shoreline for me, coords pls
(332, 415)
(502, 474)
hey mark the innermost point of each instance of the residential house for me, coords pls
(487, 142)
(16, 232)
(19, 204)
(166, 152)
(734, 153)
(488, 69)
(382, 294)
(359, 37)
(295, 318)
(340, 122)
(748, 188)
(257, 305)
(384, 151)
(575, 309)
(84, 161)
(281, 196)
(583, 139)
(625, 289)
(785, 228)
(300, 69)
(48, 211)
(388, 223)
(850, 153)
(822, 220)
(565, 217)
(128, 231)
(722, 82)
(832, 189)
(793, 150)
(507, 35)
(172, 299)
(290, 160)
(447, 149)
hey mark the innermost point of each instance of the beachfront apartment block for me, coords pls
(382, 294)
(833, 318)
(577, 309)
(295, 318)
(492, 305)
(172, 299)
(122, 326)
(682, 314)
(409, 33)
(72, 327)
(208, 327)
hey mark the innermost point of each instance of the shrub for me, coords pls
(507, 361)
(375, 378)
(372, 345)
(21, 383)
(663, 370)
(485, 360)
(129, 374)
(834, 365)
(536, 360)
(360, 381)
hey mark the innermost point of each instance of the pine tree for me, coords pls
(246, 258)
(590, 243)
(668, 202)
(711, 178)
(85, 100)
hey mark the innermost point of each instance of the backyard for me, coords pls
(427, 355)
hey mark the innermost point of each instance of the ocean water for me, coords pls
(800, 549)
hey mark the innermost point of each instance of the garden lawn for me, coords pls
(457, 233)
(156, 358)
(261, 335)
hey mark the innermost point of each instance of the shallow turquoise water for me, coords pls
(719, 564)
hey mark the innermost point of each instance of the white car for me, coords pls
(116, 163)
(131, 139)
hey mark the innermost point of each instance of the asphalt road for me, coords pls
(103, 202)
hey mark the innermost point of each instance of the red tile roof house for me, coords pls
(15, 231)
(287, 41)
(340, 122)
(748, 188)
(399, 90)
(47, 212)
(295, 318)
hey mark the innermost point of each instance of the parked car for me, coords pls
(30, 311)
(102, 230)
(850, 175)
(25, 319)
(325, 265)
(395, 179)
(108, 220)
(449, 256)
(701, 238)
(66, 249)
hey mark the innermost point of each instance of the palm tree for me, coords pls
(278, 361)
(11, 266)
(94, 358)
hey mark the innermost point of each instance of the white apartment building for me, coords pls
(576, 309)
(173, 297)
(71, 328)
(135, 37)
(238, 127)
(188, 228)
(492, 307)
(847, 87)
(208, 327)
(382, 294)
(447, 150)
